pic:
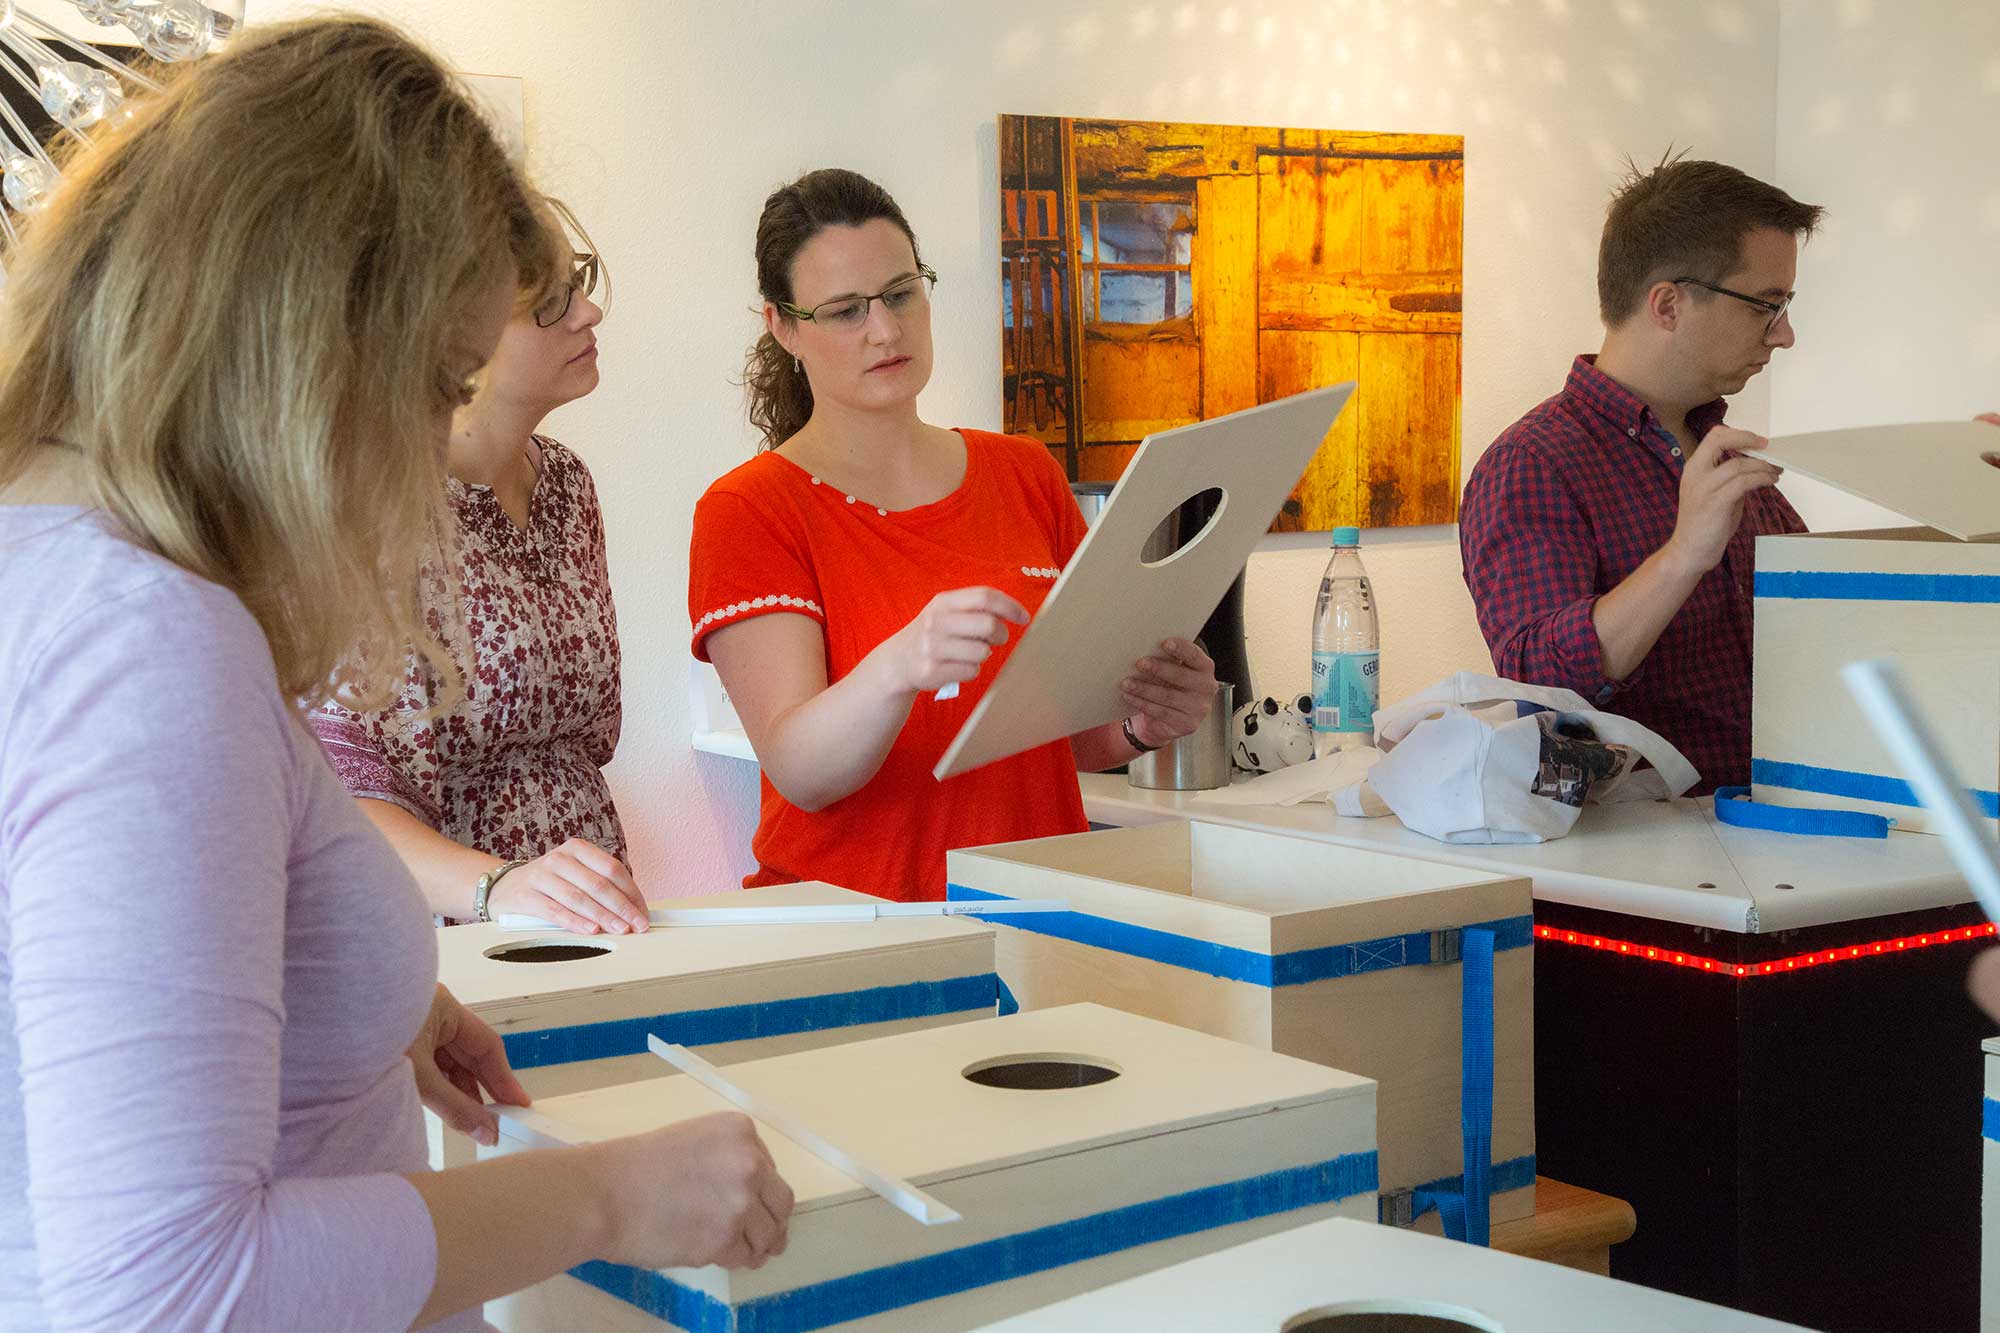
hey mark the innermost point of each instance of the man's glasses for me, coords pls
(582, 278)
(1777, 309)
(847, 313)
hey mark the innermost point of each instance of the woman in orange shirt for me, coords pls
(865, 559)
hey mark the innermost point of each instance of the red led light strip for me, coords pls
(1843, 954)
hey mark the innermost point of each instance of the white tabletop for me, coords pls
(1667, 860)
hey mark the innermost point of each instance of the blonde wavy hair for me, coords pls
(241, 310)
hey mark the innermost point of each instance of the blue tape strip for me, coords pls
(1734, 806)
(1475, 1096)
(896, 1286)
(1989, 1119)
(1816, 585)
(1008, 1004)
(746, 1022)
(1516, 1173)
(1857, 786)
(1229, 962)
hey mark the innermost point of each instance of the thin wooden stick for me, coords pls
(905, 1196)
(813, 914)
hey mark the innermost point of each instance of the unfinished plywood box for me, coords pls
(1333, 954)
(1348, 1277)
(575, 1010)
(1989, 1193)
(1928, 597)
(1185, 1144)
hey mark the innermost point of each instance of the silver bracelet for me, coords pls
(1132, 738)
(482, 891)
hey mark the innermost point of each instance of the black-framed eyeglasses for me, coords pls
(848, 313)
(582, 278)
(1778, 309)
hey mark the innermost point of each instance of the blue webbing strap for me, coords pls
(1734, 806)
(1467, 1210)
(1989, 1119)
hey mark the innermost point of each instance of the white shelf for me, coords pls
(732, 743)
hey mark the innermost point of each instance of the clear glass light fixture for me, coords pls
(79, 87)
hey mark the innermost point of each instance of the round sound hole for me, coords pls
(1041, 1073)
(1378, 1320)
(546, 951)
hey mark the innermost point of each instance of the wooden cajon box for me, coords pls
(1290, 945)
(731, 992)
(1989, 1191)
(1824, 600)
(1329, 1277)
(1927, 596)
(1195, 1144)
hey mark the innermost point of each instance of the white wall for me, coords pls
(1889, 115)
(666, 124)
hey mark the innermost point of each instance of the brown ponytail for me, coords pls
(780, 398)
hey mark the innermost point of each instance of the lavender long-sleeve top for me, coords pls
(211, 963)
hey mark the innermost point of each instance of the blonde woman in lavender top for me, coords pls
(228, 359)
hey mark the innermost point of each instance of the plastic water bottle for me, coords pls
(1346, 679)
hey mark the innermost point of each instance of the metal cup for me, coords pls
(1198, 761)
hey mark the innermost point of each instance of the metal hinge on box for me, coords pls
(1398, 1208)
(1447, 944)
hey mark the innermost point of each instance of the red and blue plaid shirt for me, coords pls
(1564, 506)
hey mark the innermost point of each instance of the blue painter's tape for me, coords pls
(1989, 1119)
(1831, 586)
(1734, 806)
(1854, 786)
(1516, 1173)
(1229, 962)
(896, 1286)
(746, 1022)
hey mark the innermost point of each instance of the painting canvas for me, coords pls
(1157, 274)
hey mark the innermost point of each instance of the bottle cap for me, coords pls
(1347, 536)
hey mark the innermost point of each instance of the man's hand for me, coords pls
(1718, 478)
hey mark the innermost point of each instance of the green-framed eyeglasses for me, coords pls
(847, 313)
(582, 278)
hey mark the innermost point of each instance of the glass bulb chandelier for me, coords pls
(79, 87)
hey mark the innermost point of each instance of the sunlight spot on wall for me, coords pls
(1728, 23)
(1899, 105)
(1906, 215)
(1081, 34)
(1020, 46)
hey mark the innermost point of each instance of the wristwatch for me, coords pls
(1132, 738)
(483, 890)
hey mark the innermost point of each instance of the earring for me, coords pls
(798, 366)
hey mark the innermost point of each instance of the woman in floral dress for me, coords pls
(498, 802)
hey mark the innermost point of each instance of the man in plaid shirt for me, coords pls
(1609, 536)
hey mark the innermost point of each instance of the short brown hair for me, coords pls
(1684, 219)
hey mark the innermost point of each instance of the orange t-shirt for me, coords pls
(769, 537)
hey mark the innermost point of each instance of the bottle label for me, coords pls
(1345, 688)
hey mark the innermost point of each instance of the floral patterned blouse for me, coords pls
(515, 769)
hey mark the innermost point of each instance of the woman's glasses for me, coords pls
(582, 278)
(845, 314)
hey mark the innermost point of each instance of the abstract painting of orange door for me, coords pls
(1154, 275)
